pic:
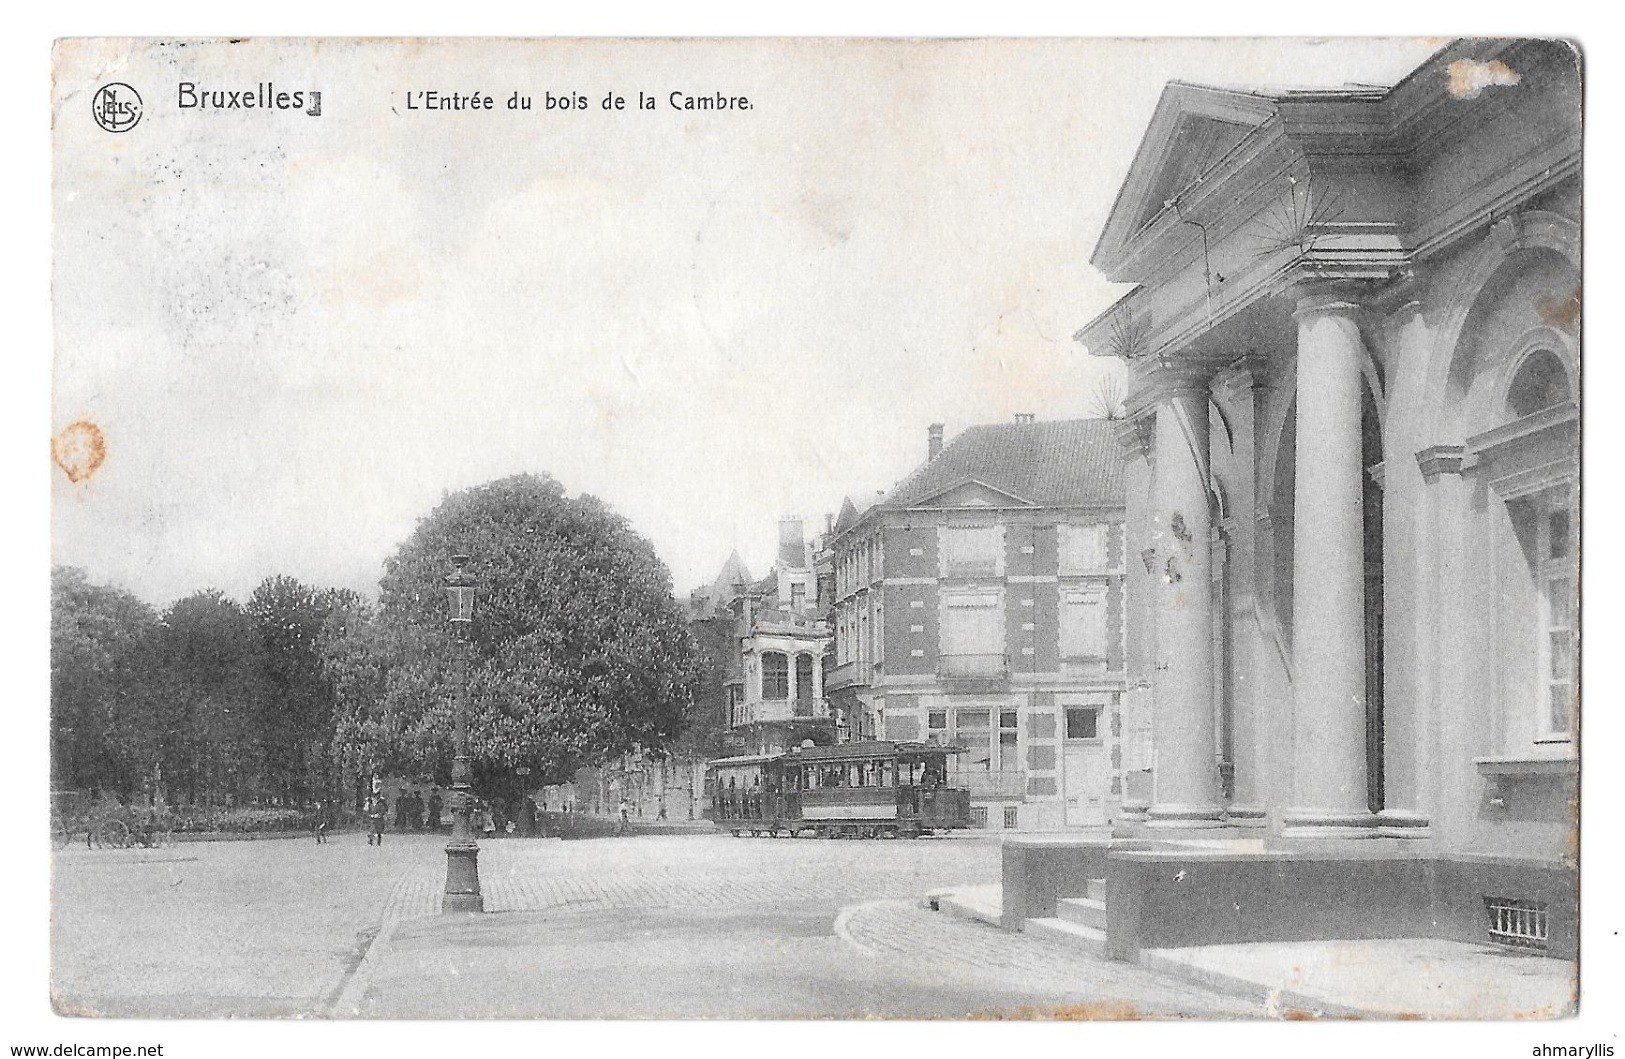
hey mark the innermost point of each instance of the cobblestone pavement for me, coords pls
(218, 928)
(784, 928)
(275, 927)
(687, 871)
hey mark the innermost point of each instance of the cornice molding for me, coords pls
(1441, 459)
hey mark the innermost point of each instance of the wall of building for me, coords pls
(1031, 687)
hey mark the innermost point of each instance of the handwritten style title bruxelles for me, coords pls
(431, 99)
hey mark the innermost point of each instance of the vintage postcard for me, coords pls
(815, 529)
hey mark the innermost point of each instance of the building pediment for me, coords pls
(972, 492)
(1194, 127)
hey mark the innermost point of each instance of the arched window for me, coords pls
(775, 675)
(1528, 457)
(1540, 383)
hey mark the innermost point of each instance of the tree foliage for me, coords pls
(210, 700)
(103, 725)
(216, 697)
(577, 651)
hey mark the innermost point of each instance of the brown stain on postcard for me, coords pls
(79, 450)
(1557, 311)
(1469, 77)
(1103, 1010)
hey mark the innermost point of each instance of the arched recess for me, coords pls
(1276, 481)
(1512, 241)
(1503, 383)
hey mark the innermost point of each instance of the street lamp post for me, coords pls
(462, 852)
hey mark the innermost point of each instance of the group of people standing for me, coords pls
(412, 813)
(410, 810)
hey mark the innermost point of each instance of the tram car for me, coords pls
(851, 790)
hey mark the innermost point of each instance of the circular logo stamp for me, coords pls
(116, 106)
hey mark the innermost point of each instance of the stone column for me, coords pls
(1328, 577)
(1242, 389)
(1135, 435)
(1183, 730)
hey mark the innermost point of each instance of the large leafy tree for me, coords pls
(292, 619)
(216, 697)
(577, 651)
(103, 729)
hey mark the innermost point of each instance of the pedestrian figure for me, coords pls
(626, 821)
(377, 810)
(434, 811)
(321, 823)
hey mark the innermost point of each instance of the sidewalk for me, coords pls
(1393, 978)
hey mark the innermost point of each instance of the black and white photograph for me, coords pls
(760, 529)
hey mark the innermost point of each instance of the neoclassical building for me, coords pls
(1353, 498)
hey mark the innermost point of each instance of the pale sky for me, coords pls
(297, 333)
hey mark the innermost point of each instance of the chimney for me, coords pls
(1024, 417)
(933, 436)
(792, 542)
(829, 523)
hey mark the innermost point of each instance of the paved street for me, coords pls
(636, 927)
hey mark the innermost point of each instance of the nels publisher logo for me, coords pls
(117, 107)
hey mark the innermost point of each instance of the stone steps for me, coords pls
(1074, 936)
(1082, 911)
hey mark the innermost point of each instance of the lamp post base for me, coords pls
(462, 879)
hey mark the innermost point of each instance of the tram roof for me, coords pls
(838, 752)
(847, 751)
(743, 759)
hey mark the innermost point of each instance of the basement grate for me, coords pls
(1517, 923)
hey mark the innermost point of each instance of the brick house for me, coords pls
(980, 603)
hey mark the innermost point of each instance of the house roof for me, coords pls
(850, 514)
(732, 575)
(1057, 463)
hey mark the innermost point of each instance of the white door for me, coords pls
(1086, 771)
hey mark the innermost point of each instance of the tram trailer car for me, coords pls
(851, 790)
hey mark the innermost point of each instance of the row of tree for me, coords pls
(577, 654)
